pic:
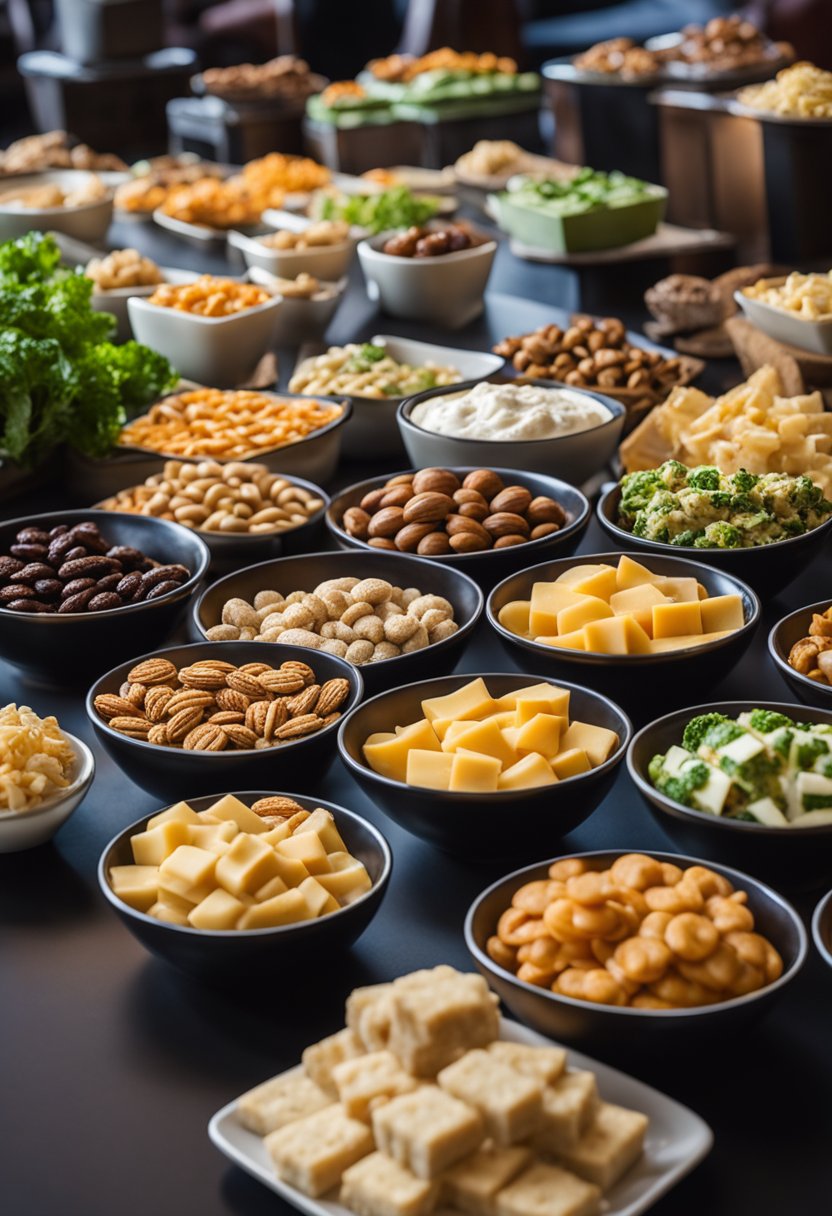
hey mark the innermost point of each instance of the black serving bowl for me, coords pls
(780, 641)
(172, 772)
(66, 648)
(215, 953)
(304, 573)
(768, 568)
(481, 826)
(486, 568)
(640, 682)
(795, 857)
(822, 928)
(610, 1028)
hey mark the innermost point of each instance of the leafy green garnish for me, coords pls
(767, 720)
(396, 208)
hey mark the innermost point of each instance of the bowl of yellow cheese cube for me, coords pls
(218, 884)
(609, 614)
(489, 766)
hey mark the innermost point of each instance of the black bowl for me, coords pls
(611, 1028)
(768, 568)
(796, 857)
(75, 646)
(671, 676)
(479, 826)
(401, 569)
(221, 953)
(822, 928)
(495, 564)
(171, 772)
(780, 641)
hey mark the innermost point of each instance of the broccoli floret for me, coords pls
(804, 493)
(782, 745)
(758, 776)
(637, 489)
(686, 539)
(743, 482)
(766, 720)
(817, 802)
(807, 753)
(682, 788)
(704, 478)
(698, 728)
(673, 474)
(720, 535)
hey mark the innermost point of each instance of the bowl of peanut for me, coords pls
(628, 950)
(192, 719)
(801, 646)
(392, 615)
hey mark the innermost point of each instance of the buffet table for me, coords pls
(113, 1062)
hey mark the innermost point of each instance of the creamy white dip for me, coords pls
(510, 413)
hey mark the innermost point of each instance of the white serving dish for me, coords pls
(115, 301)
(301, 320)
(786, 326)
(324, 261)
(677, 1140)
(87, 222)
(446, 290)
(21, 830)
(218, 351)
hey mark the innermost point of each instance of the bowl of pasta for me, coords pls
(796, 309)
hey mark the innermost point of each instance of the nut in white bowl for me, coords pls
(86, 221)
(329, 262)
(448, 290)
(26, 829)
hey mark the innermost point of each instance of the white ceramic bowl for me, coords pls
(324, 261)
(86, 222)
(573, 458)
(115, 301)
(446, 290)
(21, 830)
(786, 326)
(301, 320)
(219, 351)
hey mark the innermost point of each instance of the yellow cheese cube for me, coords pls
(579, 574)
(285, 909)
(541, 734)
(598, 742)
(679, 590)
(566, 641)
(484, 737)
(547, 601)
(215, 837)
(532, 692)
(703, 591)
(280, 831)
(511, 735)
(591, 608)
(570, 762)
(454, 729)
(429, 769)
(206, 817)
(248, 864)
(504, 717)
(526, 774)
(474, 771)
(539, 699)
(390, 758)
(168, 913)
(348, 878)
(181, 812)
(322, 823)
(232, 808)
(638, 602)
(181, 894)
(190, 865)
(219, 910)
(305, 847)
(617, 635)
(275, 886)
(631, 573)
(722, 613)
(152, 847)
(515, 617)
(471, 701)
(602, 583)
(672, 620)
(135, 885)
(380, 736)
(319, 901)
(291, 870)
(685, 640)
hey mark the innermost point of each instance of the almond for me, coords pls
(397, 496)
(202, 677)
(387, 522)
(467, 542)
(282, 683)
(543, 510)
(136, 728)
(242, 738)
(434, 544)
(250, 686)
(304, 702)
(473, 510)
(542, 530)
(228, 699)
(372, 501)
(205, 738)
(384, 542)
(461, 523)
(514, 499)
(188, 698)
(277, 804)
(511, 538)
(156, 701)
(303, 670)
(503, 523)
(485, 482)
(183, 722)
(428, 507)
(227, 717)
(435, 481)
(407, 539)
(356, 522)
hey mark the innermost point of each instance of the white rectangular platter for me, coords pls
(677, 1139)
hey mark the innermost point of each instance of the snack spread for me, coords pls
(433, 512)
(235, 866)
(807, 295)
(705, 509)
(644, 933)
(808, 655)
(418, 1104)
(226, 424)
(209, 296)
(367, 370)
(36, 759)
(761, 767)
(317, 236)
(362, 620)
(471, 742)
(800, 91)
(623, 610)
(433, 241)
(123, 268)
(73, 568)
(236, 497)
(510, 413)
(213, 706)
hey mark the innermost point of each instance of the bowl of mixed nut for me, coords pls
(189, 719)
(801, 646)
(80, 589)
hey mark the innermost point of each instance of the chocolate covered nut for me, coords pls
(15, 591)
(32, 536)
(160, 589)
(48, 588)
(29, 606)
(29, 553)
(77, 602)
(161, 574)
(9, 568)
(58, 530)
(104, 601)
(128, 585)
(75, 585)
(76, 553)
(126, 555)
(92, 566)
(109, 582)
(58, 547)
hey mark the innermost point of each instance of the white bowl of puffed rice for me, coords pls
(45, 774)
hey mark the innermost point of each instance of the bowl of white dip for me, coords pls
(566, 432)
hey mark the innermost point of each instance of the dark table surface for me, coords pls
(111, 1062)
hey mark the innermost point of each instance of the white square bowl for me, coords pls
(447, 290)
(115, 301)
(329, 262)
(86, 222)
(786, 326)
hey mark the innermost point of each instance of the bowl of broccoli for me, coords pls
(746, 783)
(762, 527)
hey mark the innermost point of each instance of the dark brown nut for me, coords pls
(15, 591)
(485, 482)
(372, 501)
(434, 544)
(9, 568)
(503, 523)
(514, 499)
(29, 553)
(87, 534)
(77, 602)
(104, 601)
(540, 530)
(506, 542)
(456, 524)
(163, 574)
(383, 542)
(428, 507)
(473, 510)
(387, 522)
(435, 481)
(126, 555)
(76, 585)
(32, 536)
(468, 542)
(59, 530)
(356, 522)
(33, 571)
(48, 588)
(29, 606)
(109, 582)
(75, 553)
(93, 566)
(397, 496)
(162, 589)
(407, 539)
(128, 585)
(543, 510)
(58, 547)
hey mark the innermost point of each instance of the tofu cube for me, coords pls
(320, 1059)
(437, 1015)
(427, 1131)
(471, 701)
(180, 812)
(280, 1101)
(368, 1079)
(613, 1141)
(472, 1184)
(369, 1014)
(510, 1103)
(285, 909)
(168, 913)
(306, 848)
(548, 1190)
(312, 1153)
(319, 901)
(569, 1106)
(323, 824)
(544, 1064)
(347, 880)
(189, 865)
(377, 1186)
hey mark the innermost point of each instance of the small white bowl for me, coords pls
(21, 830)
(115, 301)
(86, 222)
(217, 351)
(301, 320)
(324, 261)
(447, 290)
(786, 326)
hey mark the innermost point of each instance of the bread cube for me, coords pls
(544, 1064)
(568, 1108)
(377, 1186)
(280, 1101)
(510, 1103)
(312, 1153)
(319, 1059)
(472, 1184)
(369, 1079)
(369, 1011)
(609, 1146)
(427, 1130)
(437, 1015)
(547, 1190)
